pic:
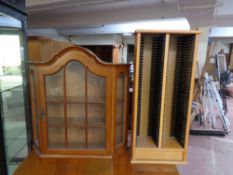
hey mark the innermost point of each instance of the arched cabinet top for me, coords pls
(75, 53)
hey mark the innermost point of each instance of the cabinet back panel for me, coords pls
(145, 85)
(156, 83)
(141, 60)
(169, 91)
(183, 71)
(150, 87)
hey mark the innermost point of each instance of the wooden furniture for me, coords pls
(163, 86)
(79, 104)
(104, 52)
(119, 165)
(42, 48)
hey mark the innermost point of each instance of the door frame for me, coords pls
(16, 13)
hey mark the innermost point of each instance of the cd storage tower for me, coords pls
(163, 86)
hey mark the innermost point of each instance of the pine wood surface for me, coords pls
(67, 81)
(169, 150)
(119, 165)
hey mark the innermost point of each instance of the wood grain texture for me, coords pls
(151, 31)
(42, 49)
(135, 95)
(191, 96)
(96, 69)
(163, 102)
(170, 78)
(119, 165)
(146, 76)
(170, 150)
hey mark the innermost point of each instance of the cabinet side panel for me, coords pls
(139, 86)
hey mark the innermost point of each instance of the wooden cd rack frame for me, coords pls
(163, 86)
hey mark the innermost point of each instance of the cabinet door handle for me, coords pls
(42, 115)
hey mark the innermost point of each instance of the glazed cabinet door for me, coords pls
(121, 105)
(77, 109)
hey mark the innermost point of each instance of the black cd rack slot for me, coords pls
(183, 71)
(157, 62)
(141, 58)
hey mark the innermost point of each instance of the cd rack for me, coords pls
(163, 80)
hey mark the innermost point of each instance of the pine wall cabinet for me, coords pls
(79, 104)
(163, 86)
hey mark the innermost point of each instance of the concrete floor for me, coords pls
(210, 155)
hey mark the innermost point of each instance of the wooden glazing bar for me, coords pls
(86, 108)
(65, 107)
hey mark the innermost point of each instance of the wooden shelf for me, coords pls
(56, 99)
(76, 122)
(171, 143)
(74, 100)
(119, 122)
(145, 142)
(120, 100)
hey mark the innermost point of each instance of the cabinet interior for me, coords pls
(167, 128)
(177, 89)
(76, 108)
(152, 48)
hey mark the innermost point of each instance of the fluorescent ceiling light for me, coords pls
(163, 24)
(221, 32)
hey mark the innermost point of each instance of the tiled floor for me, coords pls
(209, 155)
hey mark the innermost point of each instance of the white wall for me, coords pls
(109, 39)
(126, 40)
(202, 49)
(221, 45)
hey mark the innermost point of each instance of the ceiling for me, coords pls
(68, 15)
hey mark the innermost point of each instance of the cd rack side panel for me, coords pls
(169, 91)
(140, 85)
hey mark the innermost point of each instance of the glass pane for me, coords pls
(120, 112)
(120, 108)
(76, 137)
(96, 86)
(96, 138)
(76, 114)
(34, 105)
(55, 110)
(120, 98)
(75, 82)
(55, 114)
(54, 87)
(36, 130)
(56, 137)
(12, 100)
(119, 134)
(96, 114)
(14, 124)
(121, 86)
